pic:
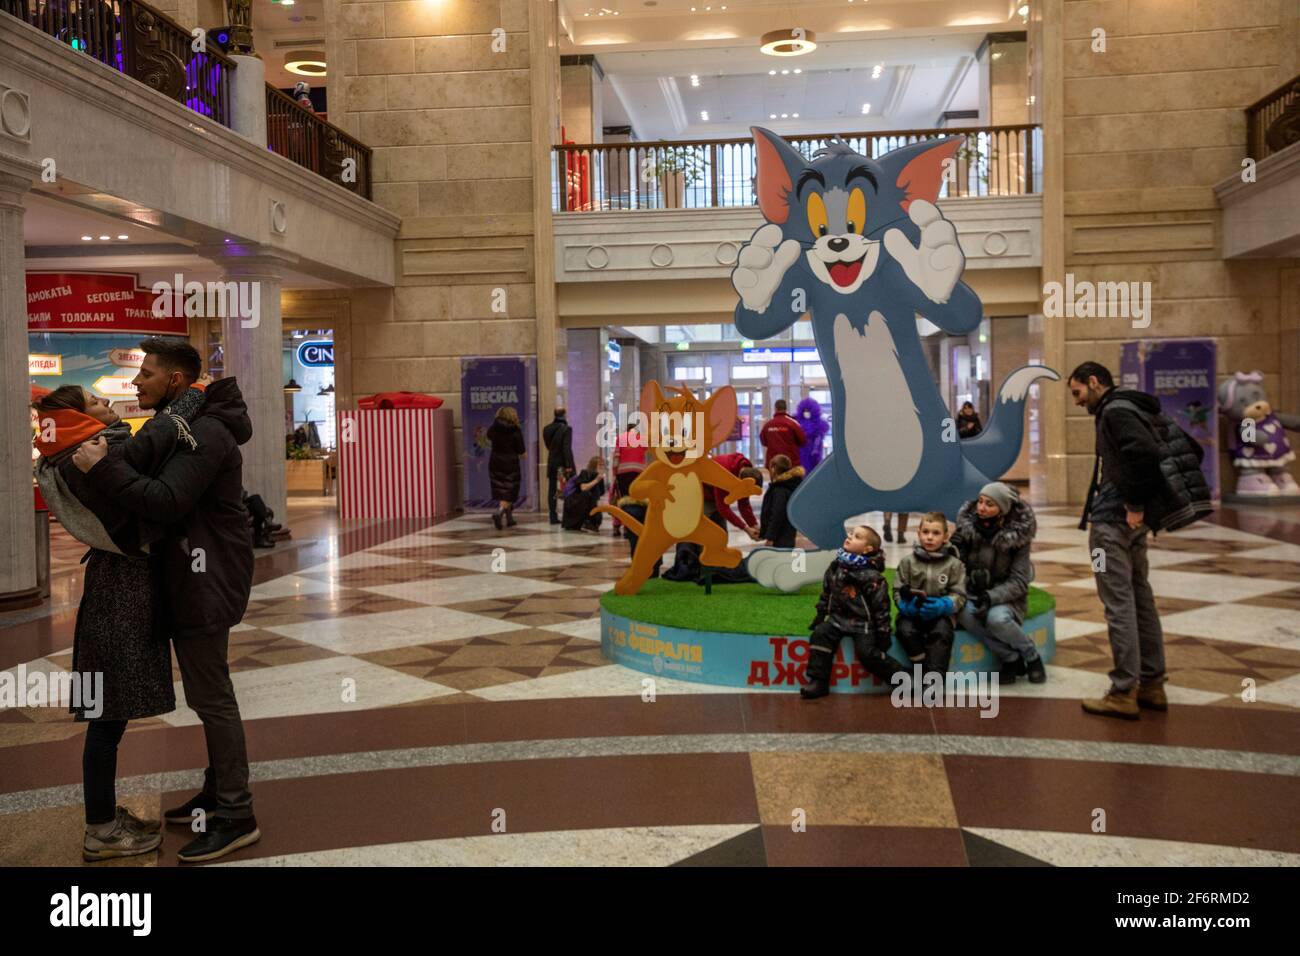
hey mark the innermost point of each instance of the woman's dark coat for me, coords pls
(503, 467)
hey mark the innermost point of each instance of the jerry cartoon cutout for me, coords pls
(682, 429)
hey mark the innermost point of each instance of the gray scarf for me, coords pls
(78, 520)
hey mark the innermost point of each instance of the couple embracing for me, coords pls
(170, 565)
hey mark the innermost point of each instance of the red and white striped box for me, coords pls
(396, 463)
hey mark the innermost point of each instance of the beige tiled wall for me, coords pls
(1150, 125)
(448, 118)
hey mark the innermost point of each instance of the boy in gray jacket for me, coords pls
(929, 589)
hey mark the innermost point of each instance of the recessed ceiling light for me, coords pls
(695, 80)
(866, 108)
(769, 116)
(704, 115)
(800, 70)
(1024, 10)
(795, 115)
(771, 72)
(87, 238)
(124, 237)
(785, 72)
(105, 238)
(785, 116)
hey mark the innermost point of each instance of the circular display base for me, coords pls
(677, 631)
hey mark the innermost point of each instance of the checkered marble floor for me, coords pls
(380, 663)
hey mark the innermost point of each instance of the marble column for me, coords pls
(253, 350)
(17, 535)
(248, 98)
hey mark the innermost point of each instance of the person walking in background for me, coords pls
(774, 521)
(808, 413)
(558, 437)
(198, 496)
(629, 461)
(903, 517)
(968, 421)
(504, 469)
(1126, 498)
(781, 435)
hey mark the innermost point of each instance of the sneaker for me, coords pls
(1152, 696)
(131, 820)
(1116, 703)
(124, 840)
(496, 519)
(184, 814)
(224, 837)
(814, 689)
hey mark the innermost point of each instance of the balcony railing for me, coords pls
(302, 136)
(140, 42)
(1273, 123)
(137, 40)
(994, 161)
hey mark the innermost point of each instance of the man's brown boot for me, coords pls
(1152, 697)
(1116, 703)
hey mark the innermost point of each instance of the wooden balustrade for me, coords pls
(310, 141)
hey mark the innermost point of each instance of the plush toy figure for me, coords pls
(1257, 437)
(808, 413)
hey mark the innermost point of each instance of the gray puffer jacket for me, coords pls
(937, 573)
(1004, 554)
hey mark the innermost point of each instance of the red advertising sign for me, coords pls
(96, 302)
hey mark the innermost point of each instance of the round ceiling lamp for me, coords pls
(305, 62)
(793, 42)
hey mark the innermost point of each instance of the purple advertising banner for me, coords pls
(487, 384)
(1180, 372)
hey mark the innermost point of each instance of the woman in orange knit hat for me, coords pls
(114, 641)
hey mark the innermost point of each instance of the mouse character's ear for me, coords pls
(722, 410)
(918, 169)
(778, 167)
(651, 398)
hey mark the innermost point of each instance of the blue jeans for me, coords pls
(1000, 632)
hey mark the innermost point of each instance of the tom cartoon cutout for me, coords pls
(860, 245)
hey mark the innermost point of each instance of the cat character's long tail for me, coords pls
(995, 449)
(636, 526)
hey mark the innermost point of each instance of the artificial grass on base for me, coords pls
(742, 608)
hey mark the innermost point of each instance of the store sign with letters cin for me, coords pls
(316, 354)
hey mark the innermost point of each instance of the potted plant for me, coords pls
(678, 167)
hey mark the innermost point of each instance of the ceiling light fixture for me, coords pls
(792, 42)
(87, 238)
(866, 108)
(124, 237)
(305, 62)
(704, 115)
(105, 238)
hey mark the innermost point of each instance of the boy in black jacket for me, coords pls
(854, 603)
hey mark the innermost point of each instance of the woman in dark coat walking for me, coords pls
(504, 466)
(115, 628)
(968, 421)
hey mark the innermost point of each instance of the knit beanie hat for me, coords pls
(1002, 495)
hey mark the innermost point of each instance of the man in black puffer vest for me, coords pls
(1136, 487)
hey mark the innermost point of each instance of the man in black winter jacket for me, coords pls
(203, 570)
(1126, 499)
(558, 438)
(854, 603)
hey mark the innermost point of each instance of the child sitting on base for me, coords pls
(854, 603)
(929, 588)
